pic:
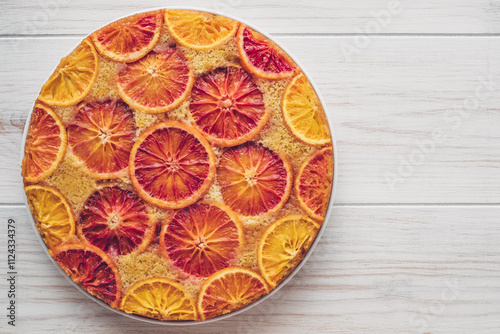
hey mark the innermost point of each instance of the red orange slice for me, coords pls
(228, 107)
(156, 83)
(171, 165)
(130, 38)
(101, 136)
(92, 269)
(228, 290)
(202, 239)
(45, 145)
(116, 221)
(314, 182)
(253, 179)
(260, 56)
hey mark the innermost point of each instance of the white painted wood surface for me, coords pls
(422, 256)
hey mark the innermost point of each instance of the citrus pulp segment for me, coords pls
(130, 38)
(45, 144)
(202, 239)
(313, 183)
(92, 269)
(156, 83)
(73, 77)
(159, 298)
(228, 107)
(116, 221)
(171, 165)
(199, 30)
(52, 214)
(303, 113)
(254, 180)
(283, 246)
(101, 136)
(228, 290)
(260, 56)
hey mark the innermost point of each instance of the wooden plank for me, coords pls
(291, 17)
(386, 104)
(382, 269)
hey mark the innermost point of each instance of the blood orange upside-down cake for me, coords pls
(178, 165)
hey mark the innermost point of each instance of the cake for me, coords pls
(178, 165)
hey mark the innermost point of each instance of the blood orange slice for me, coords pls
(101, 136)
(303, 113)
(228, 290)
(92, 269)
(262, 57)
(156, 83)
(130, 38)
(159, 298)
(199, 30)
(228, 107)
(45, 145)
(314, 182)
(283, 246)
(73, 77)
(253, 179)
(116, 221)
(52, 214)
(202, 239)
(171, 165)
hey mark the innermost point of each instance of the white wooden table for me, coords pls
(413, 245)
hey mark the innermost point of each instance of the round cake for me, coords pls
(178, 165)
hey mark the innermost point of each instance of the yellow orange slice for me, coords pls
(314, 182)
(52, 213)
(45, 145)
(254, 180)
(283, 246)
(73, 77)
(199, 30)
(303, 113)
(130, 38)
(156, 83)
(159, 298)
(92, 269)
(228, 290)
(171, 165)
(202, 239)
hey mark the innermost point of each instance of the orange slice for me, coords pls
(159, 298)
(228, 107)
(202, 239)
(73, 77)
(116, 221)
(283, 246)
(262, 57)
(45, 145)
(92, 269)
(101, 136)
(156, 83)
(314, 182)
(52, 214)
(171, 165)
(199, 30)
(130, 38)
(254, 180)
(303, 113)
(228, 290)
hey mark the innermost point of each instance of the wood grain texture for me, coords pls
(377, 269)
(385, 105)
(34, 17)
